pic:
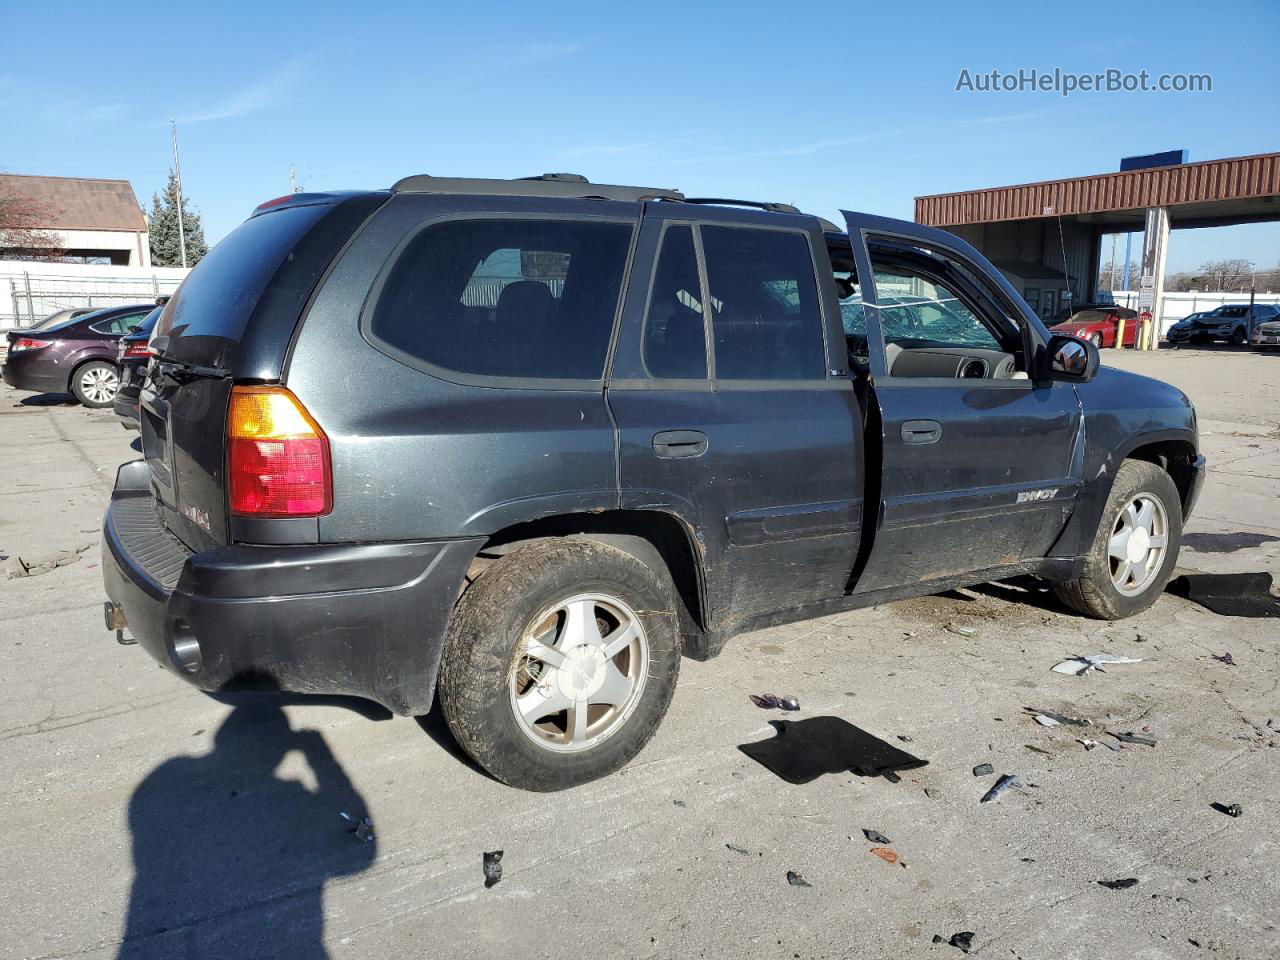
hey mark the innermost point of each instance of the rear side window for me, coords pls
(529, 299)
(120, 325)
(766, 320)
(675, 344)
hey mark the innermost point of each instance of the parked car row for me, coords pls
(1232, 323)
(78, 351)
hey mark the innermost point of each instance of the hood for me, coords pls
(1072, 329)
(1134, 391)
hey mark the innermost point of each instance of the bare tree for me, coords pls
(1235, 275)
(21, 236)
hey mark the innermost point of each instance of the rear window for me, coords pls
(208, 314)
(505, 298)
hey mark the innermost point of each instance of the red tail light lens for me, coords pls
(136, 349)
(277, 456)
(26, 343)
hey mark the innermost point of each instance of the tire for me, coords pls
(1095, 593)
(1238, 337)
(95, 383)
(486, 670)
(1096, 340)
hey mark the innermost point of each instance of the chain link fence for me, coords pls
(30, 298)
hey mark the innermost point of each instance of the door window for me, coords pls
(765, 317)
(918, 312)
(675, 342)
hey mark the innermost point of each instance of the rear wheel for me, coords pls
(95, 383)
(1135, 548)
(1239, 337)
(560, 663)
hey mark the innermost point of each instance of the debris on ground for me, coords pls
(1124, 884)
(745, 853)
(1086, 743)
(963, 631)
(796, 880)
(1034, 749)
(804, 750)
(492, 868)
(983, 770)
(875, 836)
(885, 854)
(1133, 738)
(16, 567)
(1079, 666)
(1056, 718)
(904, 738)
(1229, 594)
(1225, 658)
(362, 827)
(963, 940)
(1007, 781)
(678, 803)
(1232, 810)
(767, 701)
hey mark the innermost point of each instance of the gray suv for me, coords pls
(526, 443)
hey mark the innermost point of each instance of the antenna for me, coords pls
(177, 169)
(293, 182)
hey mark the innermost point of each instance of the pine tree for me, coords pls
(166, 249)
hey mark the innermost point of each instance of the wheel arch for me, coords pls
(84, 358)
(657, 538)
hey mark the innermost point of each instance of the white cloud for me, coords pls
(270, 91)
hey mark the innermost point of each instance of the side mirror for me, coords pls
(1071, 358)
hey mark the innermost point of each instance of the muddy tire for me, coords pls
(560, 662)
(1135, 549)
(95, 383)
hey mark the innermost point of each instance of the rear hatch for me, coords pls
(231, 321)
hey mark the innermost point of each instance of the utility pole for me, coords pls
(177, 169)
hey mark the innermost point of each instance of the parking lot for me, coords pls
(144, 818)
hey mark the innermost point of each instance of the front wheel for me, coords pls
(1239, 337)
(1135, 548)
(95, 383)
(1096, 340)
(560, 663)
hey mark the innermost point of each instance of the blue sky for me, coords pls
(824, 105)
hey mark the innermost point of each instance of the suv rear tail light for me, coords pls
(277, 456)
(26, 343)
(135, 349)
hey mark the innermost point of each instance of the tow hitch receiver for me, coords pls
(113, 614)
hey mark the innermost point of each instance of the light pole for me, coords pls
(177, 169)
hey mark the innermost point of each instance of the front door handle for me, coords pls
(921, 431)
(676, 444)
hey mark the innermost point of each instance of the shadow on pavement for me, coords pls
(49, 400)
(230, 858)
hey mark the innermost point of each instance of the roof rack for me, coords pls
(568, 185)
(720, 201)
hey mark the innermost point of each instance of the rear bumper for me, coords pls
(18, 374)
(125, 406)
(365, 620)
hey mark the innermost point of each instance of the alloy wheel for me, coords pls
(1138, 544)
(579, 671)
(99, 384)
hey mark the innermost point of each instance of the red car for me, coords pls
(1097, 323)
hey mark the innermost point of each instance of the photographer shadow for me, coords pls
(230, 857)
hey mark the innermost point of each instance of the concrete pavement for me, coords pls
(134, 804)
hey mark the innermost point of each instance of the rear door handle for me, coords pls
(676, 444)
(921, 431)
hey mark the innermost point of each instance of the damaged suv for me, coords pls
(523, 444)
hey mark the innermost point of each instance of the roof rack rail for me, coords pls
(567, 185)
(720, 201)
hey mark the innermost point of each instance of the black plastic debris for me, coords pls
(1008, 781)
(1229, 594)
(492, 868)
(796, 880)
(1057, 717)
(875, 836)
(904, 738)
(1133, 738)
(678, 803)
(730, 846)
(768, 701)
(1225, 658)
(1232, 810)
(983, 770)
(1124, 884)
(804, 750)
(962, 940)
(361, 827)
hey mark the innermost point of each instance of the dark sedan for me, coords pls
(76, 356)
(132, 356)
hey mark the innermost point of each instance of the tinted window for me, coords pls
(764, 305)
(506, 298)
(675, 343)
(121, 325)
